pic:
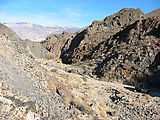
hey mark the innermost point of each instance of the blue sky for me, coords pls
(67, 12)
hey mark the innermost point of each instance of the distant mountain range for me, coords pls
(37, 32)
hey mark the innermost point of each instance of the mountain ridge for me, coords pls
(37, 32)
(85, 47)
(154, 13)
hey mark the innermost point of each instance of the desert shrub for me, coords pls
(140, 78)
(135, 57)
(54, 70)
(133, 81)
(50, 56)
(84, 79)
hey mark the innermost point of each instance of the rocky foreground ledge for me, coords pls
(36, 86)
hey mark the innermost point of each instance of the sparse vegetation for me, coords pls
(141, 82)
(53, 70)
(135, 57)
(84, 79)
(50, 56)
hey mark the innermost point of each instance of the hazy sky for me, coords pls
(67, 12)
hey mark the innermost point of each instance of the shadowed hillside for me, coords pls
(117, 48)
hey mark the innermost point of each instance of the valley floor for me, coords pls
(53, 93)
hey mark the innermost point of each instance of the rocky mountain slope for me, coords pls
(155, 13)
(123, 47)
(37, 32)
(99, 31)
(35, 85)
(84, 41)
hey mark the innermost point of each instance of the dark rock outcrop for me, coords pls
(131, 52)
(122, 47)
(77, 45)
(54, 43)
(97, 32)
